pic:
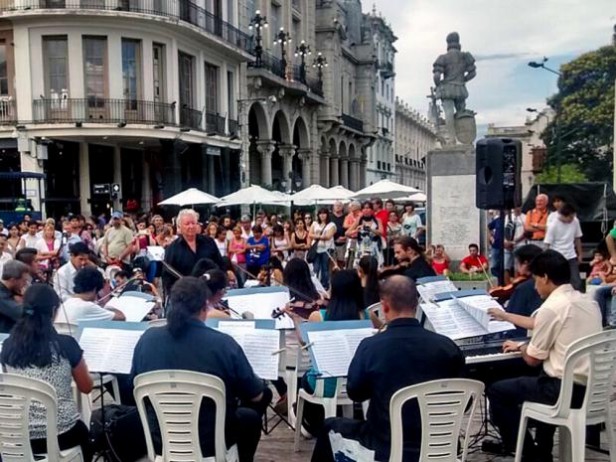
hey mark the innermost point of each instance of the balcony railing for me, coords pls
(182, 10)
(233, 127)
(191, 118)
(8, 112)
(292, 72)
(271, 63)
(214, 123)
(353, 122)
(98, 110)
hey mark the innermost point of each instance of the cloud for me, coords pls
(503, 35)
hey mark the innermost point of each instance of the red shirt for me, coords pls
(439, 268)
(474, 262)
(383, 217)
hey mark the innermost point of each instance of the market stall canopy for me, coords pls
(385, 189)
(253, 195)
(417, 197)
(192, 196)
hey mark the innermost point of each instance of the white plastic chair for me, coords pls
(442, 404)
(16, 395)
(601, 350)
(176, 397)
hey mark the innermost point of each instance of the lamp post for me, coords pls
(258, 22)
(537, 65)
(302, 51)
(319, 63)
(283, 39)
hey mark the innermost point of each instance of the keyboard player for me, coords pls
(564, 317)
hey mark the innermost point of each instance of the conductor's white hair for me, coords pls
(186, 212)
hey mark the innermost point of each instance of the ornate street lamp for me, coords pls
(258, 22)
(320, 62)
(283, 39)
(302, 51)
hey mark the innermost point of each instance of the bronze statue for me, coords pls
(451, 71)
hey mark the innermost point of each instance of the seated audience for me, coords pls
(34, 349)
(473, 262)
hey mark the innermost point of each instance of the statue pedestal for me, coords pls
(452, 218)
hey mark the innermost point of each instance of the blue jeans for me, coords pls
(603, 296)
(321, 268)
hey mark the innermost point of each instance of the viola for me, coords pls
(392, 270)
(503, 293)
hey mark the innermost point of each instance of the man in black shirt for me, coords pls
(404, 354)
(186, 343)
(188, 249)
(14, 278)
(410, 255)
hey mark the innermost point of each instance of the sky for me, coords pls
(503, 36)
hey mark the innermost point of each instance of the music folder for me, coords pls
(332, 344)
(108, 346)
(430, 287)
(261, 302)
(259, 340)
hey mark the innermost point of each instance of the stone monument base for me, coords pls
(451, 216)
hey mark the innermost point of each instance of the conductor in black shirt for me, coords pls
(404, 354)
(409, 253)
(188, 249)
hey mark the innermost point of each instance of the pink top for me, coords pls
(234, 245)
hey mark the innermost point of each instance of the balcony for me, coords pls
(352, 122)
(191, 118)
(98, 110)
(214, 123)
(8, 111)
(291, 73)
(178, 10)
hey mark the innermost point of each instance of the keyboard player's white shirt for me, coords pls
(566, 316)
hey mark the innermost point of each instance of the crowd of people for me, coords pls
(337, 264)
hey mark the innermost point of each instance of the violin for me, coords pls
(392, 270)
(301, 309)
(503, 293)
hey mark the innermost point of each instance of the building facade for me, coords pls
(533, 148)
(140, 93)
(415, 137)
(381, 157)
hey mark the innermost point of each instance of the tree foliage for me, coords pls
(584, 107)
(569, 173)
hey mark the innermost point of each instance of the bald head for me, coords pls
(399, 296)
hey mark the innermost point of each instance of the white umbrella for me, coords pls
(312, 194)
(341, 193)
(251, 195)
(192, 196)
(385, 189)
(417, 197)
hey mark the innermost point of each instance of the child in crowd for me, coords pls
(599, 269)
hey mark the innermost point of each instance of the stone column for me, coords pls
(354, 174)
(286, 151)
(324, 166)
(344, 172)
(362, 171)
(334, 171)
(306, 158)
(117, 176)
(266, 149)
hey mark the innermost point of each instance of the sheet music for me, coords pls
(134, 308)
(155, 252)
(450, 319)
(430, 289)
(478, 305)
(109, 350)
(333, 350)
(262, 305)
(257, 344)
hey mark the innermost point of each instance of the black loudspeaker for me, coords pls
(498, 169)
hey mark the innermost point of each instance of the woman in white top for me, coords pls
(221, 241)
(280, 243)
(322, 231)
(411, 222)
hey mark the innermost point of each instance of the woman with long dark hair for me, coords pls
(322, 231)
(186, 343)
(34, 349)
(368, 273)
(296, 276)
(346, 304)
